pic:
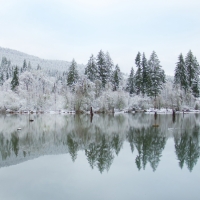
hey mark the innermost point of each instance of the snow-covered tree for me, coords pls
(116, 78)
(29, 66)
(6, 70)
(145, 75)
(130, 87)
(24, 67)
(72, 77)
(91, 69)
(109, 65)
(102, 70)
(193, 72)
(26, 79)
(15, 80)
(157, 76)
(39, 67)
(138, 74)
(181, 76)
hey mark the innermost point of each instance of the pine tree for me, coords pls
(130, 82)
(138, 74)
(189, 62)
(193, 72)
(102, 69)
(91, 69)
(116, 78)
(1, 79)
(109, 65)
(39, 67)
(15, 80)
(157, 76)
(29, 66)
(72, 77)
(5, 70)
(7, 76)
(145, 75)
(24, 67)
(180, 77)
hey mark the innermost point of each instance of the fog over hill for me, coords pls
(17, 58)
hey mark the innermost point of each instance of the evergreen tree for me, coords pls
(116, 78)
(91, 69)
(1, 79)
(39, 67)
(109, 65)
(24, 67)
(157, 76)
(29, 66)
(145, 75)
(130, 83)
(72, 77)
(138, 74)
(195, 85)
(180, 77)
(102, 70)
(15, 80)
(192, 67)
(5, 70)
(7, 76)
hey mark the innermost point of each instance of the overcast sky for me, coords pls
(67, 29)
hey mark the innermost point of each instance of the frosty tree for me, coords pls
(130, 87)
(116, 78)
(145, 75)
(91, 69)
(157, 76)
(109, 65)
(39, 67)
(24, 67)
(192, 67)
(180, 76)
(72, 77)
(29, 66)
(102, 70)
(6, 70)
(15, 80)
(138, 74)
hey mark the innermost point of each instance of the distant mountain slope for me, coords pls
(17, 58)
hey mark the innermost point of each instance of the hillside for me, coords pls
(17, 58)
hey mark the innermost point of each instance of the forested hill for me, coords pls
(17, 58)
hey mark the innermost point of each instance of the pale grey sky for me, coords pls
(66, 29)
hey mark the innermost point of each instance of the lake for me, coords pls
(108, 157)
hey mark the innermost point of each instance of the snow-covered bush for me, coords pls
(139, 102)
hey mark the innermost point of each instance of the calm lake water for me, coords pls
(125, 156)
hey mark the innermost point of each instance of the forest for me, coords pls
(102, 86)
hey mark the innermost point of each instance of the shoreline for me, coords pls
(146, 111)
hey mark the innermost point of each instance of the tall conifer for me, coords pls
(15, 80)
(157, 76)
(130, 87)
(91, 69)
(138, 74)
(180, 76)
(72, 76)
(101, 68)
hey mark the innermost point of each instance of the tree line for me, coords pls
(102, 80)
(149, 77)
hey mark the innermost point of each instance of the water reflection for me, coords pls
(149, 143)
(187, 148)
(101, 140)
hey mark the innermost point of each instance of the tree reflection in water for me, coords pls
(187, 148)
(149, 144)
(101, 140)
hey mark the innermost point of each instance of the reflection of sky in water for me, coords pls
(58, 177)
